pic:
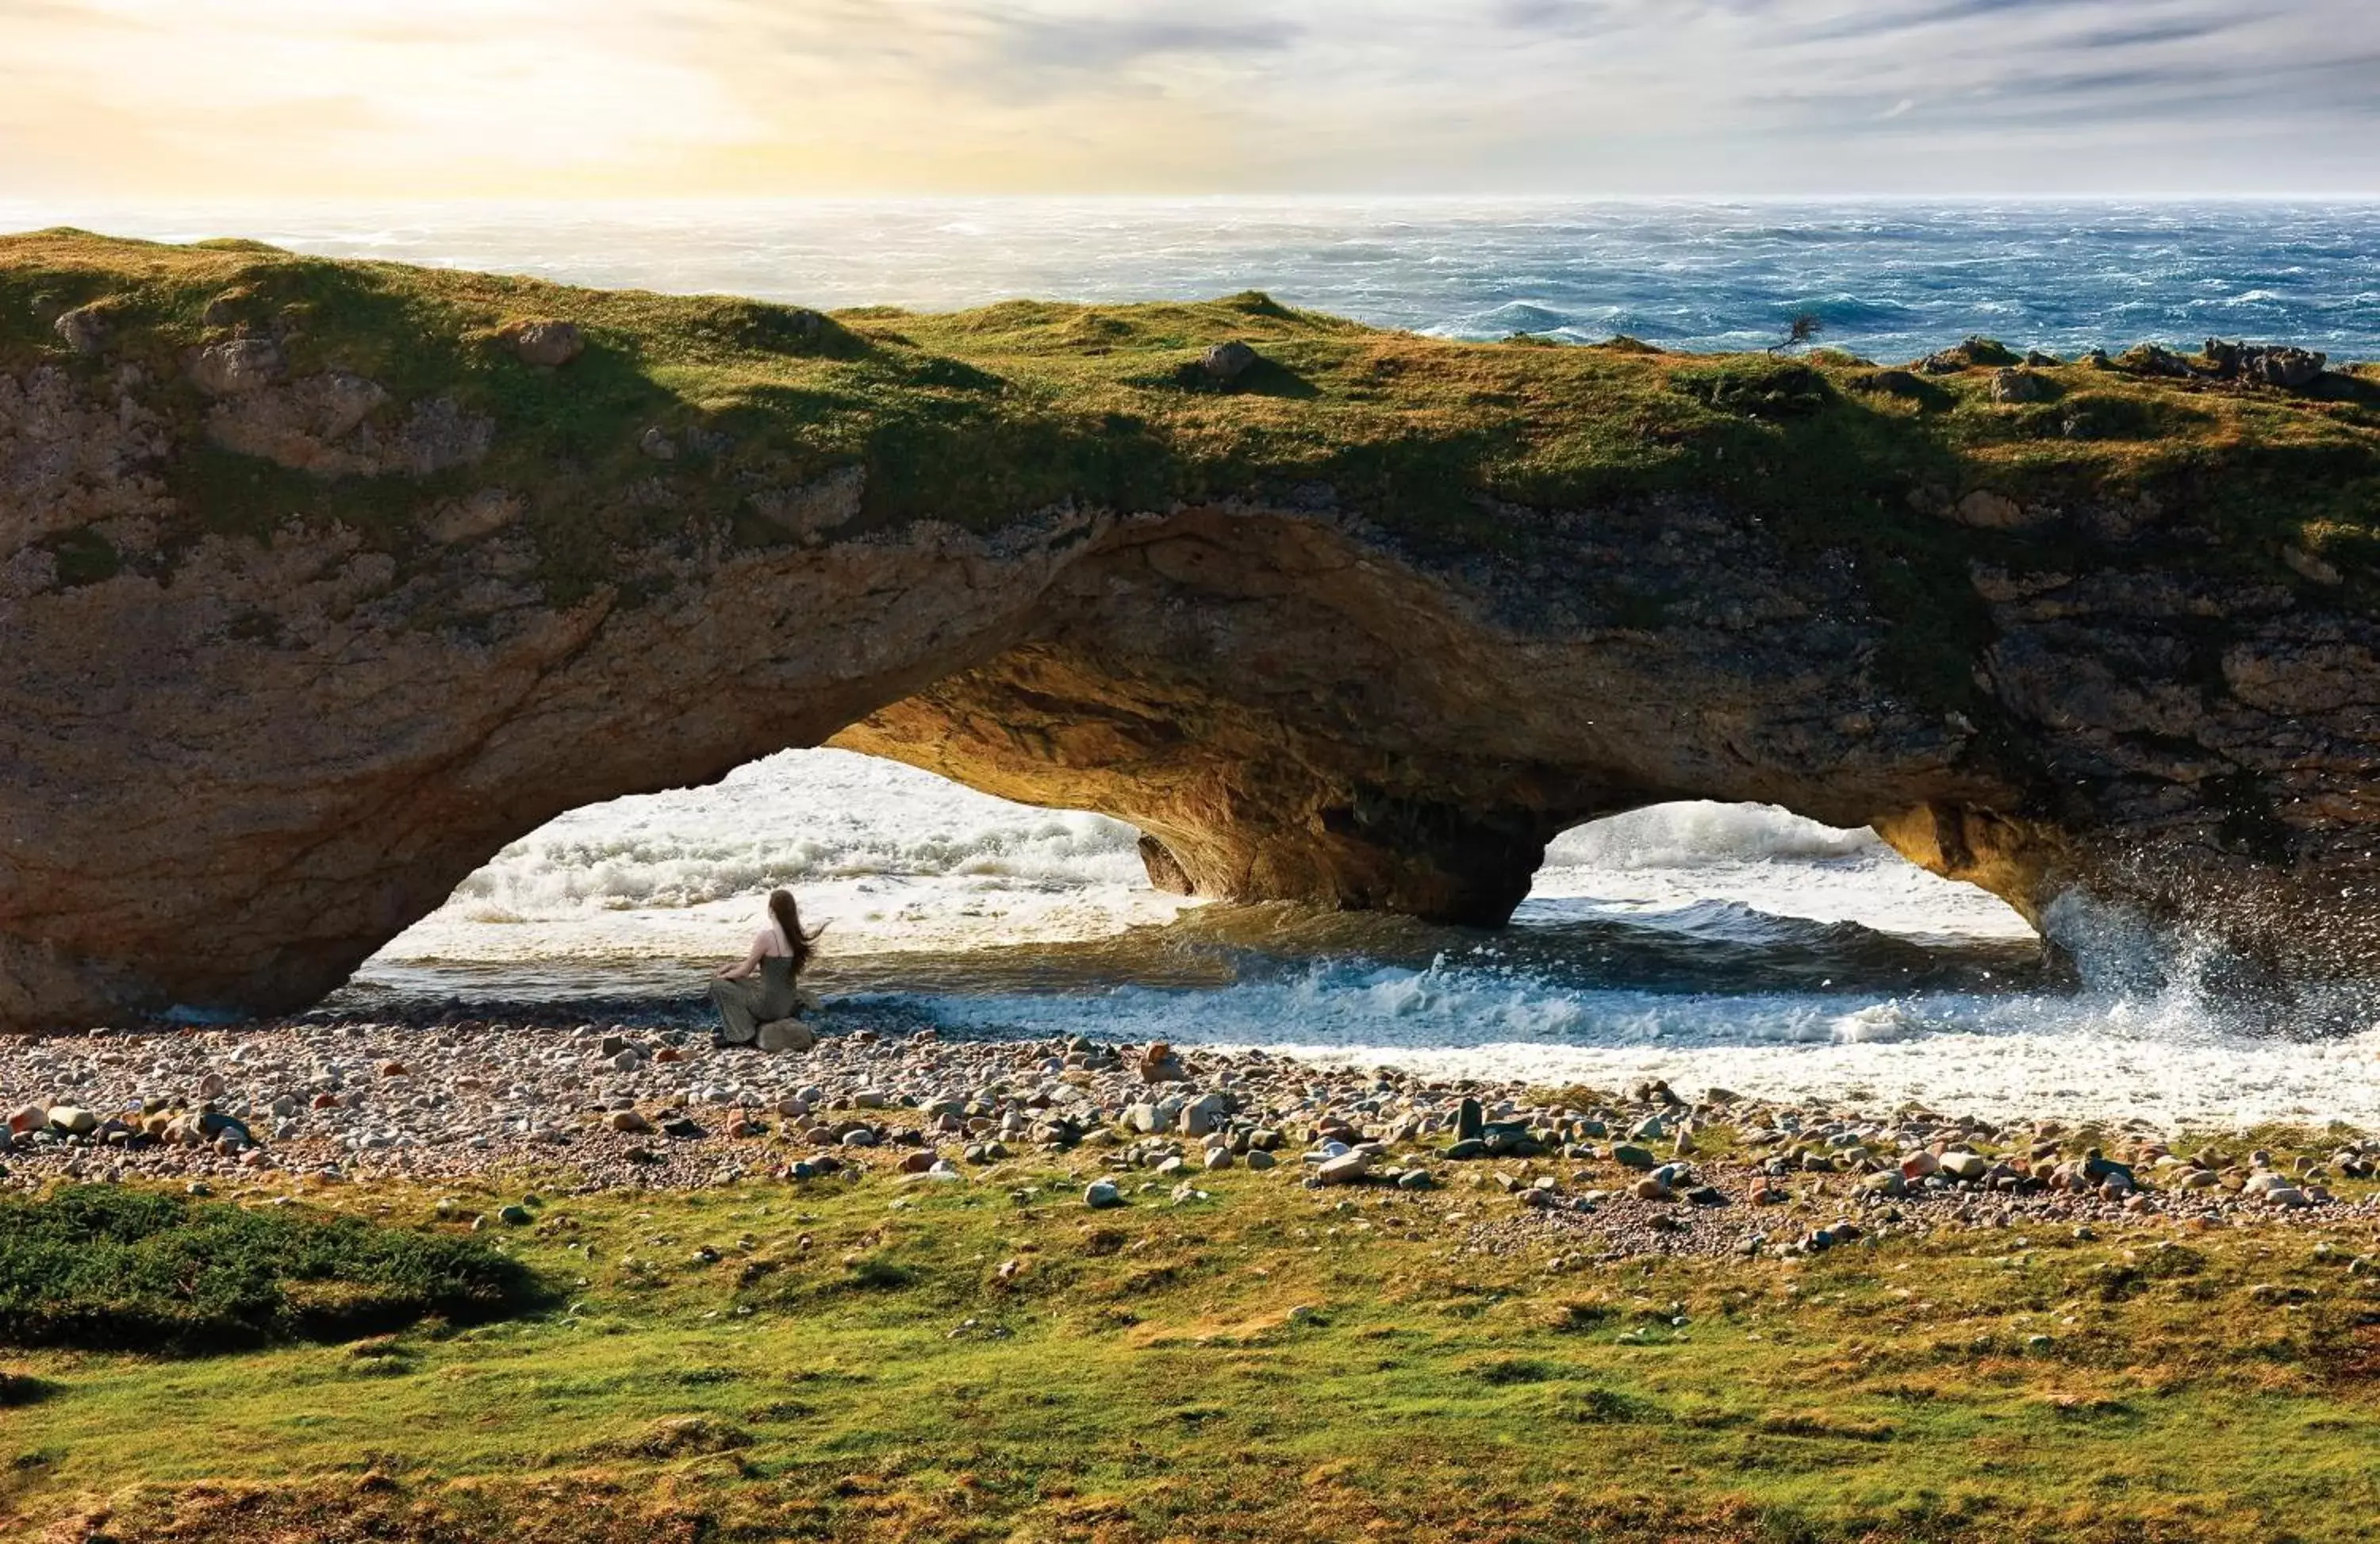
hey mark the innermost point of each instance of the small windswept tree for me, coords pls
(1805, 330)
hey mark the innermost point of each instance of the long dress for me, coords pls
(762, 998)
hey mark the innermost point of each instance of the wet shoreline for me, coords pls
(601, 1107)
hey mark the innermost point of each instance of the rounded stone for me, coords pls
(549, 343)
(1229, 361)
(84, 329)
(786, 1035)
(237, 366)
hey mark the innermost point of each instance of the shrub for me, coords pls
(876, 1273)
(2112, 415)
(106, 1267)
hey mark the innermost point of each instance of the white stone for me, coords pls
(1965, 1165)
(1345, 1169)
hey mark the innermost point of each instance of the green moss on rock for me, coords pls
(982, 416)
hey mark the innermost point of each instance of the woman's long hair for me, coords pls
(788, 918)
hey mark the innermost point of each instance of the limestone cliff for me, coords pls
(322, 581)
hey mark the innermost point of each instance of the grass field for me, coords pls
(992, 1361)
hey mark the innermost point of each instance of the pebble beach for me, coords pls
(1609, 1173)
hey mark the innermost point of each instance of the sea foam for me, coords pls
(794, 818)
(1735, 945)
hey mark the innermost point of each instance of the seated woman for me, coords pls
(760, 989)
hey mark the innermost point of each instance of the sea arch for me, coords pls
(320, 583)
(1289, 708)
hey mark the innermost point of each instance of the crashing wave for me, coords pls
(794, 818)
(1879, 1024)
(1697, 833)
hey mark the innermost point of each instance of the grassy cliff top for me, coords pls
(982, 415)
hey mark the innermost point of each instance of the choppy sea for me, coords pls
(1709, 944)
(1892, 278)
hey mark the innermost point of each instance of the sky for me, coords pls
(564, 99)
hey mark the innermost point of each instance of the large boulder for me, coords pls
(1970, 355)
(2019, 386)
(83, 329)
(2291, 368)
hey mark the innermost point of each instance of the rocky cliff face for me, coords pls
(322, 583)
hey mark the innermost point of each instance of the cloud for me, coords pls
(775, 96)
(1098, 44)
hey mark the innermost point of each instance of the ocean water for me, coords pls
(1712, 944)
(1892, 278)
(1728, 946)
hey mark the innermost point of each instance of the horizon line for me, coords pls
(132, 203)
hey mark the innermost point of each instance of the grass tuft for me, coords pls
(99, 1267)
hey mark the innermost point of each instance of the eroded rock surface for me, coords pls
(248, 741)
(1294, 713)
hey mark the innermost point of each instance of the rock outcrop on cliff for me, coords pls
(321, 582)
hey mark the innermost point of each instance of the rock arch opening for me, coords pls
(629, 897)
(1683, 854)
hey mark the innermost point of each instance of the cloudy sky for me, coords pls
(642, 98)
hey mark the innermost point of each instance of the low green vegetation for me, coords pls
(873, 1361)
(982, 417)
(104, 1268)
(987, 416)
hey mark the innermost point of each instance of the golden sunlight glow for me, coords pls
(359, 96)
(364, 99)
